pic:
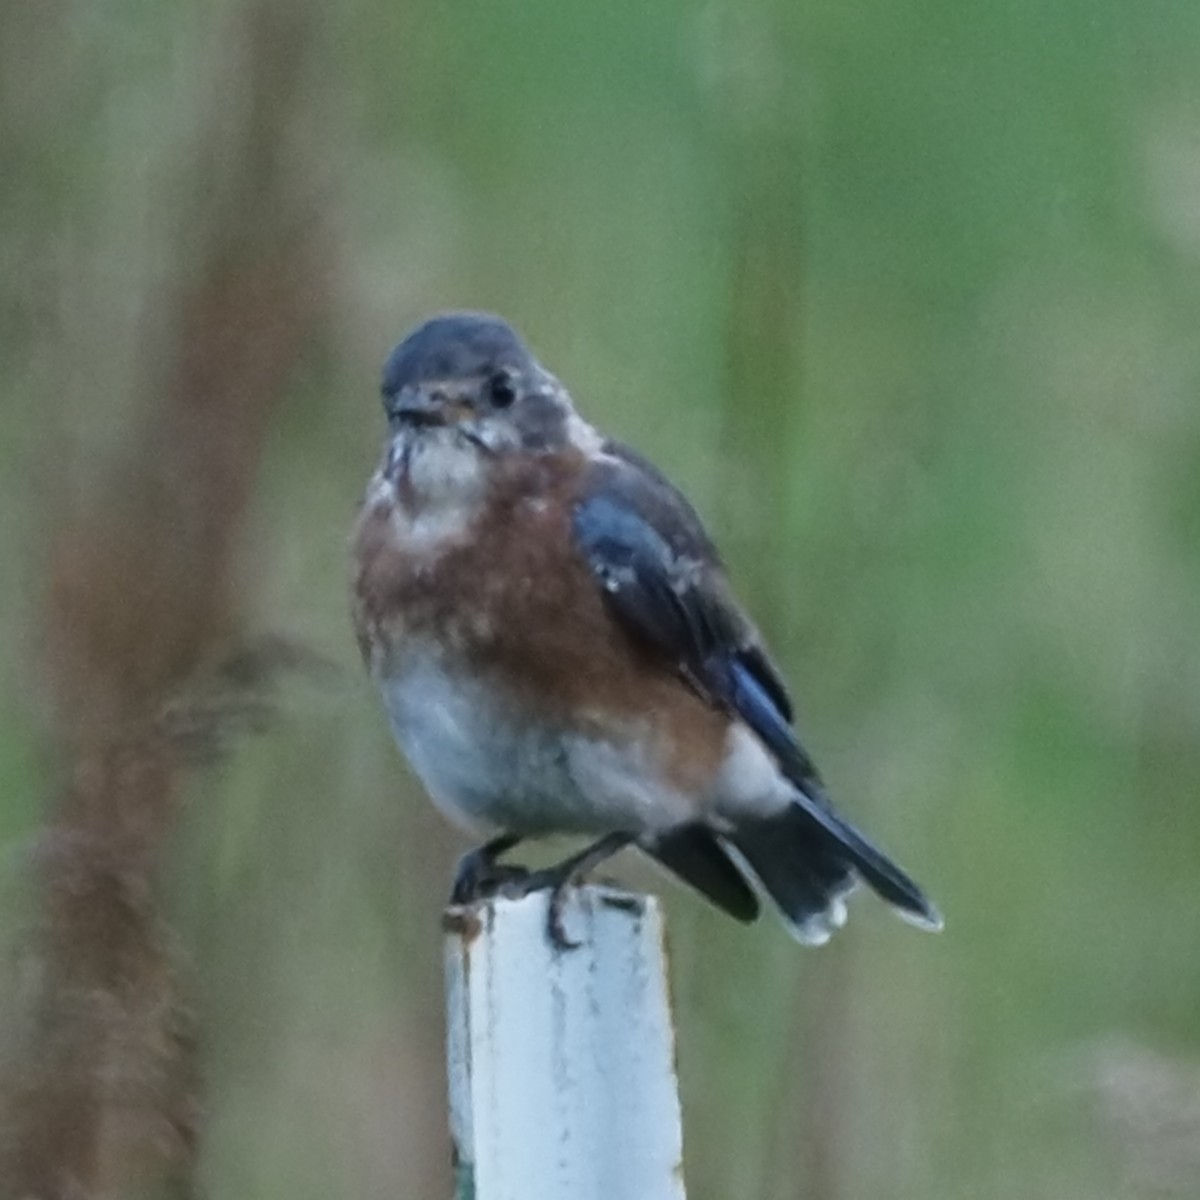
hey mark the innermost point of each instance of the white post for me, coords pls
(562, 1071)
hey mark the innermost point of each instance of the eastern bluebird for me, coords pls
(560, 651)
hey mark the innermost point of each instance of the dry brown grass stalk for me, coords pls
(146, 573)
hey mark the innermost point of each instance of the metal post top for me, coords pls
(561, 1061)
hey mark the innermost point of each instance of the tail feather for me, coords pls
(881, 874)
(801, 871)
(807, 860)
(695, 855)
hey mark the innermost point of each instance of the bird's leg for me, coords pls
(562, 875)
(479, 874)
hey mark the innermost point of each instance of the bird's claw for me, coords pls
(556, 931)
(479, 875)
(558, 886)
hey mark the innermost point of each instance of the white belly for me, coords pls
(489, 768)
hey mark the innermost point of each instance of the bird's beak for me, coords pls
(429, 406)
(417, 406)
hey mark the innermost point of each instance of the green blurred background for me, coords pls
(906, 297)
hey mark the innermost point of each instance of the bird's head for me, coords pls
(466, 382)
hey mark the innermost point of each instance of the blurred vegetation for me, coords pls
(906, 297)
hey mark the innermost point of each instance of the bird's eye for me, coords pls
(503, 389)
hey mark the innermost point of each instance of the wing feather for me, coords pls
(664, 582)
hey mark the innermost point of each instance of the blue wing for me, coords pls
(662, 578)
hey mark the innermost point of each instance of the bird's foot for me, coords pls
(559, 878)
(478, 874)
(557, 884)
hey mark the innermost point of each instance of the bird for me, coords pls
(560, 652)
